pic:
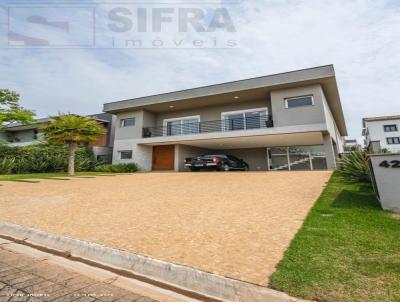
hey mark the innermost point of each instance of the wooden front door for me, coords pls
(164, 157)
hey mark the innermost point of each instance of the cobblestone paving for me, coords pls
(23, 278)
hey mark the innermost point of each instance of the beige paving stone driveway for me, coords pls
(233, 224)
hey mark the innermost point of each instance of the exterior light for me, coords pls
(171, 106)
(236, 97)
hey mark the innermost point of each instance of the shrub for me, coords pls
(43, 158)
(354, 166)
(6, 165)
(118, 168)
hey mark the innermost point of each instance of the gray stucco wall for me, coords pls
(332, 127)
(299, 115)
(387, 181)
(208, 113)
(329, 151)
(142, 155)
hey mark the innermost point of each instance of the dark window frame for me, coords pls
(125, 151)
(288, 106)
(123, 122)
(390, 128)
(393, 140)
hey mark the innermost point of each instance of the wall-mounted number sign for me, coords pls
(390, 164)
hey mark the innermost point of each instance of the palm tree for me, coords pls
(72, 129)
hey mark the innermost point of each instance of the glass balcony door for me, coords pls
(182, 126)
(246, 119)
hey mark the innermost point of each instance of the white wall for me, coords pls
(377, 133)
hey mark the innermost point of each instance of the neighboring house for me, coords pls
(18, 135)
(288, 121)
(382, 132)
(351, 145)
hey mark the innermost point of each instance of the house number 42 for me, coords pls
(391, 164)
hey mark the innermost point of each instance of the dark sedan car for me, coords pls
(219, 162)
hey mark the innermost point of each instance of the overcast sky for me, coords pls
(361, 38)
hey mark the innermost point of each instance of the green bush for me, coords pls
(118, 168)
(6, 165)
(354, 166)
(42, 159)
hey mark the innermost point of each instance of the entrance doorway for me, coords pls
(163, 158)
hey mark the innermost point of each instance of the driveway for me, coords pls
(233, 224)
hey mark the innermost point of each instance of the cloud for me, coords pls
(361, 38)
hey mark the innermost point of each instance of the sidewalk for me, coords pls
(30, 275)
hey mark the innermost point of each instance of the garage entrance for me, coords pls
(163, 158)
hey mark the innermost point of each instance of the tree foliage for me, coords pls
(11, 111)
(72, 129)
(69, 128)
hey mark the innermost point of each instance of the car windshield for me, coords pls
(214, 155)
(231, 157)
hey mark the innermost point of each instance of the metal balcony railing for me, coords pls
(189, 128)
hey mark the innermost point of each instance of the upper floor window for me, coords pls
(125, 154)
(183, 125)
(128, 122)
(390, 128)
(393, 140)
(245, 119)
(299, 101)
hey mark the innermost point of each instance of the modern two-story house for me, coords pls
(382, 132)
(288, 121)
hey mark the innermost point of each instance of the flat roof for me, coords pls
(382, 118)
(324, 75)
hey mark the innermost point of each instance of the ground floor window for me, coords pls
(297, 158)
(125, 155)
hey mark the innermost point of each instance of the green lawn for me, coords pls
(347, 250)
(33, 176)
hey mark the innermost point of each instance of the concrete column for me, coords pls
(177, 158)
(330, 152)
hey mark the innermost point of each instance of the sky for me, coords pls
(75, 73)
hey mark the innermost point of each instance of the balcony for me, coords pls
(188, 128)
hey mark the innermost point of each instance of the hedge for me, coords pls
(118, 168)
(43, 158)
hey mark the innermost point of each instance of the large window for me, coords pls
(390, 128)
(297, 158)
(246, 119)
(299, 101)
(393, 140)
(182, 126)
(128, 122)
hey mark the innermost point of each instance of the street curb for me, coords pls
(182, 279)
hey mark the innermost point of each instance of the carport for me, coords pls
(299, 151)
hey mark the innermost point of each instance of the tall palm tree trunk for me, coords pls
(71, 157)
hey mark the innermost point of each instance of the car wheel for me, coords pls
(194, 169)
(226, 168)
(246, 168)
